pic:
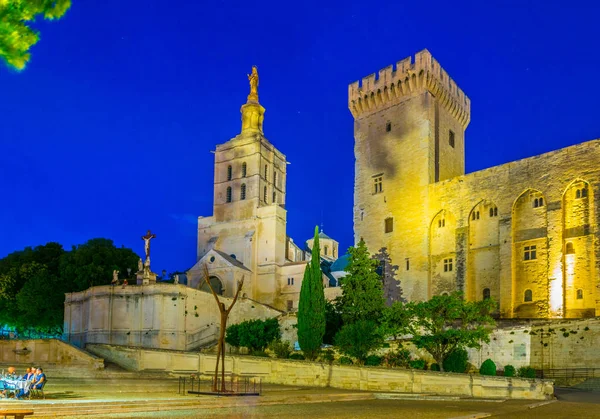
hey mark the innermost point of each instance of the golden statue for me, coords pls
(253, 78)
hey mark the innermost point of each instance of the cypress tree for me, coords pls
(311, 307)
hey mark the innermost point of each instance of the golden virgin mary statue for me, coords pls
(253, 78)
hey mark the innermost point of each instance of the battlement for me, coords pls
(391, 84)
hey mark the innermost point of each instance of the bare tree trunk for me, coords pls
(222, 344)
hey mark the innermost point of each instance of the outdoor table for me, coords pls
(15, 384)
(16, 413)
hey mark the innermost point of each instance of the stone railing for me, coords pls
(304, 373)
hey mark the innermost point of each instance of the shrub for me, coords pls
(257, 334)
(346, 361)
(260, 353)
(488, 367)
(358, 339)
(297, 355)
(400, 358)
(232, 335)
(417, 364)
(509, 371)
(434, 367)
(327, 356)
(373, 360)
(526, 372)
(456, 361)
(281, 349)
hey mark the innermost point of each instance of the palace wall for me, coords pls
(163, 316)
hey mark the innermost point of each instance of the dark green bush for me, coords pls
(488, 367)
(346, 361)
(297, 355)
(232, 335)
(358, 339)
(509, 371)
(456, 361)
(400, 358)
(417, 364)
(373, 360)
(260, 353)
(281, 349)
(253, 334)
(434, 367)
(526, 372)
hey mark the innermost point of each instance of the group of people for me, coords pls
(18, 386)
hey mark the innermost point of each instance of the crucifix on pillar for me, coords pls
(149, 236)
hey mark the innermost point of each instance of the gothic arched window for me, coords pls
(528, 296)
(229, 172)
(265, 194)
(244, 169)
(243, 192)
(229, 194)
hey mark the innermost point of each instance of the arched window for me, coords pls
(326, 250)
(528, 296)
(486, 294)
(578, 193)
(570, 249)
(265, 194)
(229, 172)
(274, 197)
(229, 194)
(243, 191)
(266, 171)
(274, 177)
(244, 169)
(445, 293)
(362, 215)
(580, 294)
(584, 193)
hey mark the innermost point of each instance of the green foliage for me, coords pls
(526, 372)
(260, 353)
(255, 335)
(327, 356)
(417, 364)
(311, 307)
(232, 335)
(509, 371)
(358, 339)
(456, 361)
(16, 37)
(488, 367)
(333, 321)
(281, 348)
(362, 295)
(399, 358)
(434, 367)
(298, 356)
(395, 319)
(346, 361)
(373, 360)
(392, 292)
(447, 322)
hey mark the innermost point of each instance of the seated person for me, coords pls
(28, 374)
(40, 378)
(11, 375)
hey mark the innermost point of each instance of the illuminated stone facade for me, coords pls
(523, 233)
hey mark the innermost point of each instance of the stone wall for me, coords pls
(543, 345)
(304, 373)
(163, 316)
(45, 352)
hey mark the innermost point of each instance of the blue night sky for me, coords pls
(108, 131)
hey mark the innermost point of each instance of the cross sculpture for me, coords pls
(149, 236)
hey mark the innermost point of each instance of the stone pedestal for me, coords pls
(145, 278)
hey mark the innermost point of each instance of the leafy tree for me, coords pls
(93, 262)
(257, 334)
(447, 322)
(392, 291)
(396, 319)
(311, 307)
(333, 321)
(362, 296)
(16, 37)
(358, 339)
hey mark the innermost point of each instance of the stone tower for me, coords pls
(249, 218)
(409, 126)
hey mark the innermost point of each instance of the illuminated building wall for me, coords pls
(520, 233)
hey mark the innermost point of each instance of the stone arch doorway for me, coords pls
(216, 284)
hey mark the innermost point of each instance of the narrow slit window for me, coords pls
(451, 138)
(388, 126)
(486, 294)
(389, 224)
(229, 172)
(244, 167)
(243, 192)
(229, 194)
(580, 294)
(265, 194)
(407, 264)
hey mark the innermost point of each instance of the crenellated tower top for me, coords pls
(391, 84)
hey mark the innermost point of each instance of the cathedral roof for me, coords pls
(340, 264)
(231, 259)
(322, 235)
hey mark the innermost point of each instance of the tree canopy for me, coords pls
(33, 282)
(16, 34)
(387, 271)
(362, 295)
(311, 307)
(448, 322)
